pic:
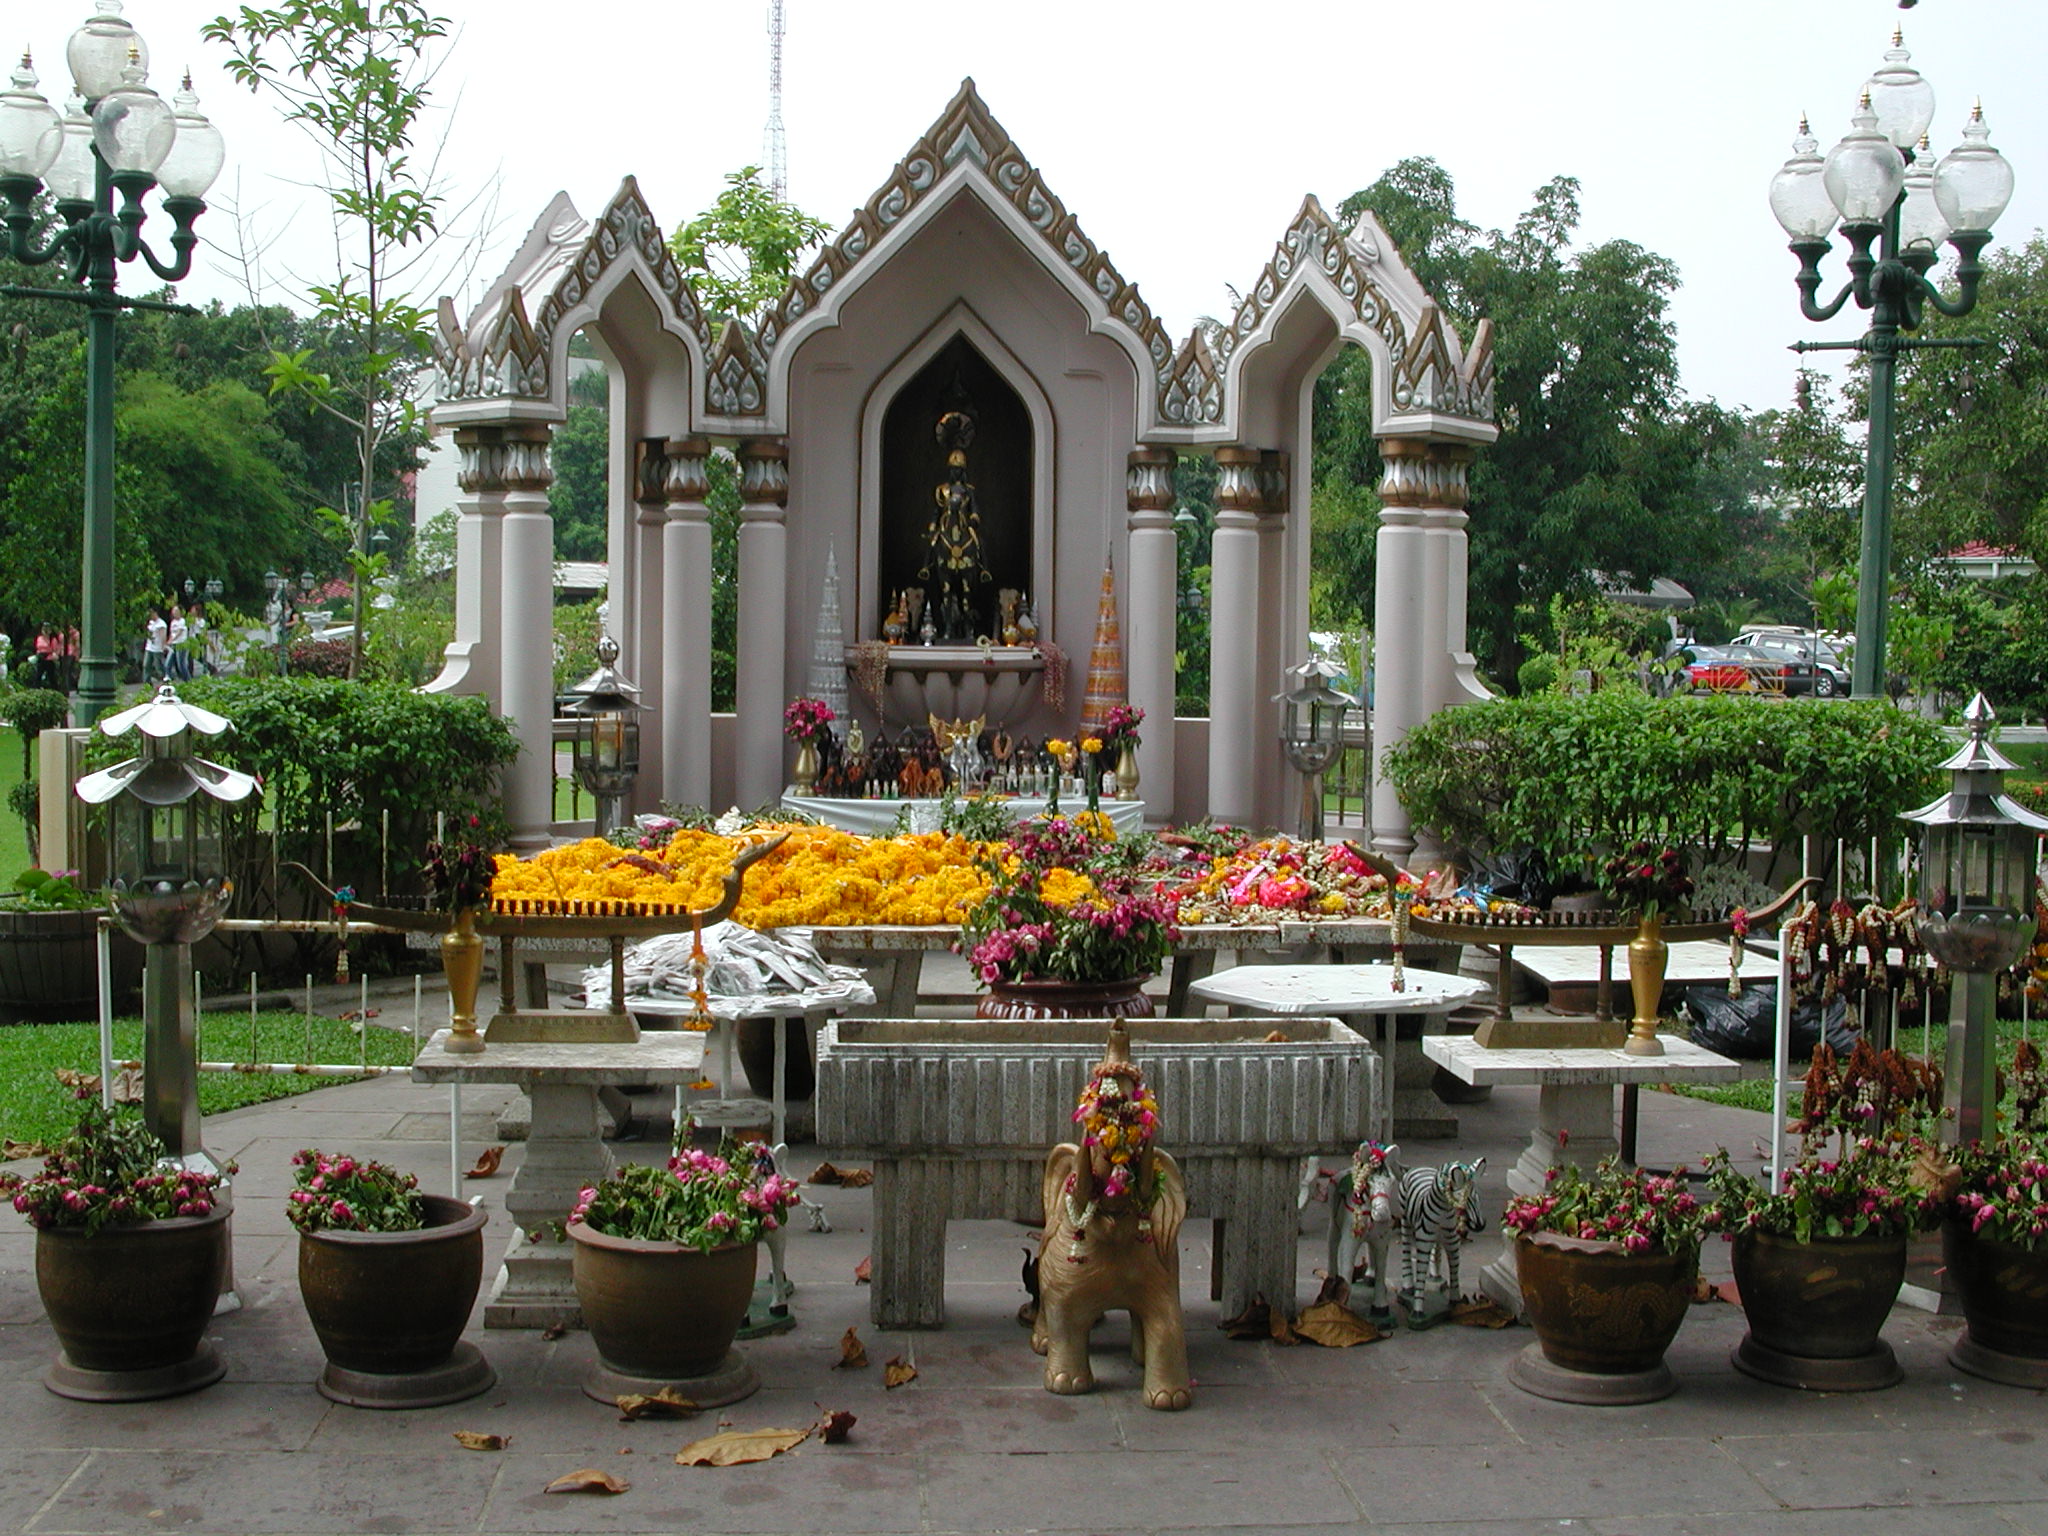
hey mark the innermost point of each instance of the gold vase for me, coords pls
(1127, 772)
(462, 961)
(806, 766)
(1647, 957)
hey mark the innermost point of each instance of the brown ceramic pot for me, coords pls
(1823, 1299)
(133, 1299)
(1066, 1000)
(2004, 1291)
(392, 1303)
(1600, 1309)
(657, 1311)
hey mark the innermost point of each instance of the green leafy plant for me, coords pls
(110, 1171)
(697, 1200)
(44, 890)
(346, 1194)
(741, 252)
(1614, 1203)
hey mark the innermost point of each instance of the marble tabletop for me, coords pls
(657, 1057)
(1338, 989)
(1693, 961)
(1479, 1065)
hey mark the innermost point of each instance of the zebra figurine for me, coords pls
(1439, 1210)
(1362, 1213)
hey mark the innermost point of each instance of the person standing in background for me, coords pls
(156, 647)
(43, 674)
(70, 670)
(178, 664)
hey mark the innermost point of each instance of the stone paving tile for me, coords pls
(813, 1488)
(1894, 1468)
(2029, 1518)
(1214, 1486)
(230, 1415)
(1705, 1407)
(204, 1491)
(1506, 1482)
(28, 1483)
(1487, 1528)
(914, 1420)
(1420, 1413)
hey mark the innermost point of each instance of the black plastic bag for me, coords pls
(1746, 1027)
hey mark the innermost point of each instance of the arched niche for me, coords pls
(1010, 464)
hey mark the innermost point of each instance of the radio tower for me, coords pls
(776, 145)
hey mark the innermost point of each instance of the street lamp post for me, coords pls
(116, 136)
(1895, 209)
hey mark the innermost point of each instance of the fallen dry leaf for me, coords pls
(12, 1150)
(1254, 1322)
(486, 1163)
(853, 1355)
(1335, 1326)
(1476, 1312)
(740, 1446)
(1277, 1037)
(665, 1404)
(1334, 1288)
(553, 1331)
(470, 1440)
(856, 1178)
(128, 1086)
(898, 1372)
(836, 1426)
(864, 1271)
(1726, 1291)
(1283, 1330)
(587, 1480)
(77, 1081)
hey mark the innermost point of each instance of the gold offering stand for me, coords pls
(1646, 939)
(611, 922)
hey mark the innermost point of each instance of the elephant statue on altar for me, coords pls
(1113, 1209)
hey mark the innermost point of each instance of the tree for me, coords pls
(581, 455)
(1600, 464)
(741, 252)
(354, 75)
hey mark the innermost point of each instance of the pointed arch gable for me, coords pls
(966, 152)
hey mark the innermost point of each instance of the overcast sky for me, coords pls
(1183, 135)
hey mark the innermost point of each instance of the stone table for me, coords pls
(565, 1150)
(877, 818)
(1574, 1109)
(1364, 997)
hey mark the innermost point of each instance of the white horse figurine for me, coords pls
(1362, 1214)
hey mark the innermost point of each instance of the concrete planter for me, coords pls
(958, 1114)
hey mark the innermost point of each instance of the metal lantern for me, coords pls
(1312, 731)
(607, 745)
(170, 885)
(1977, 853)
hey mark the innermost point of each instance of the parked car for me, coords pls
(1803, 648)
(1724, 668)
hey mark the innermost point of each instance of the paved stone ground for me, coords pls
(1417, 1434)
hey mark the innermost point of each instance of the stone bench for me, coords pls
(957, 1116)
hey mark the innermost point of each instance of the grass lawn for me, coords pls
(35, 1107)
(1755, 1093)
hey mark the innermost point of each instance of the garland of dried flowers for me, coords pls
(1052, 682)
(1118, 1118)
(871, 669)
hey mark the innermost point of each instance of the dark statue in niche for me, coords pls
(953, 556)
(956, 502)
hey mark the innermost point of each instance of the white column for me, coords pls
(525, 613)
(471, 658)
(1283, 641)
(762, 683)
(685, 627)
(637, 622)
(1234, 639)
(1149, 637)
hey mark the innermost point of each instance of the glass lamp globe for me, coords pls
(1900, 96)
(1799, 196)
(30, 130)
(1921, 226)
(197, 153)
(1973, 183)
(1864, 173)
(133, 128)
(100, 49)
(72, 174)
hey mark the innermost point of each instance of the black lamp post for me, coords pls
(607, 745)
(1312, 733)
(116, 136)
(1896, 207)
(1977, 855)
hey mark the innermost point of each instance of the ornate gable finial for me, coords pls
(736, 382)
(1193, 396)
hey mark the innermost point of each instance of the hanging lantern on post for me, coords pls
(1977, 853)
(169, 885)
(607, 745)
(1312, 732)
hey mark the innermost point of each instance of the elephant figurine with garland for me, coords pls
(1113, 1210)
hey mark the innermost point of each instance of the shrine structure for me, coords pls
(965, 407)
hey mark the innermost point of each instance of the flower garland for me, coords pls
(1118, 1118)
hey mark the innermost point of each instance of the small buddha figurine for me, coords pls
(856, 742)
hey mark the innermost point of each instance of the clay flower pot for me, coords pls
(2004, 1291)
(381, 1355)
(664, 1316)
(1815, 1310)
(130, 1306)
(1603, 1318)
(1124, 999)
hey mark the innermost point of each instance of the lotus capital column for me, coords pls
(526, 606)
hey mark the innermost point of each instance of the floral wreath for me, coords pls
(1119, 1119)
